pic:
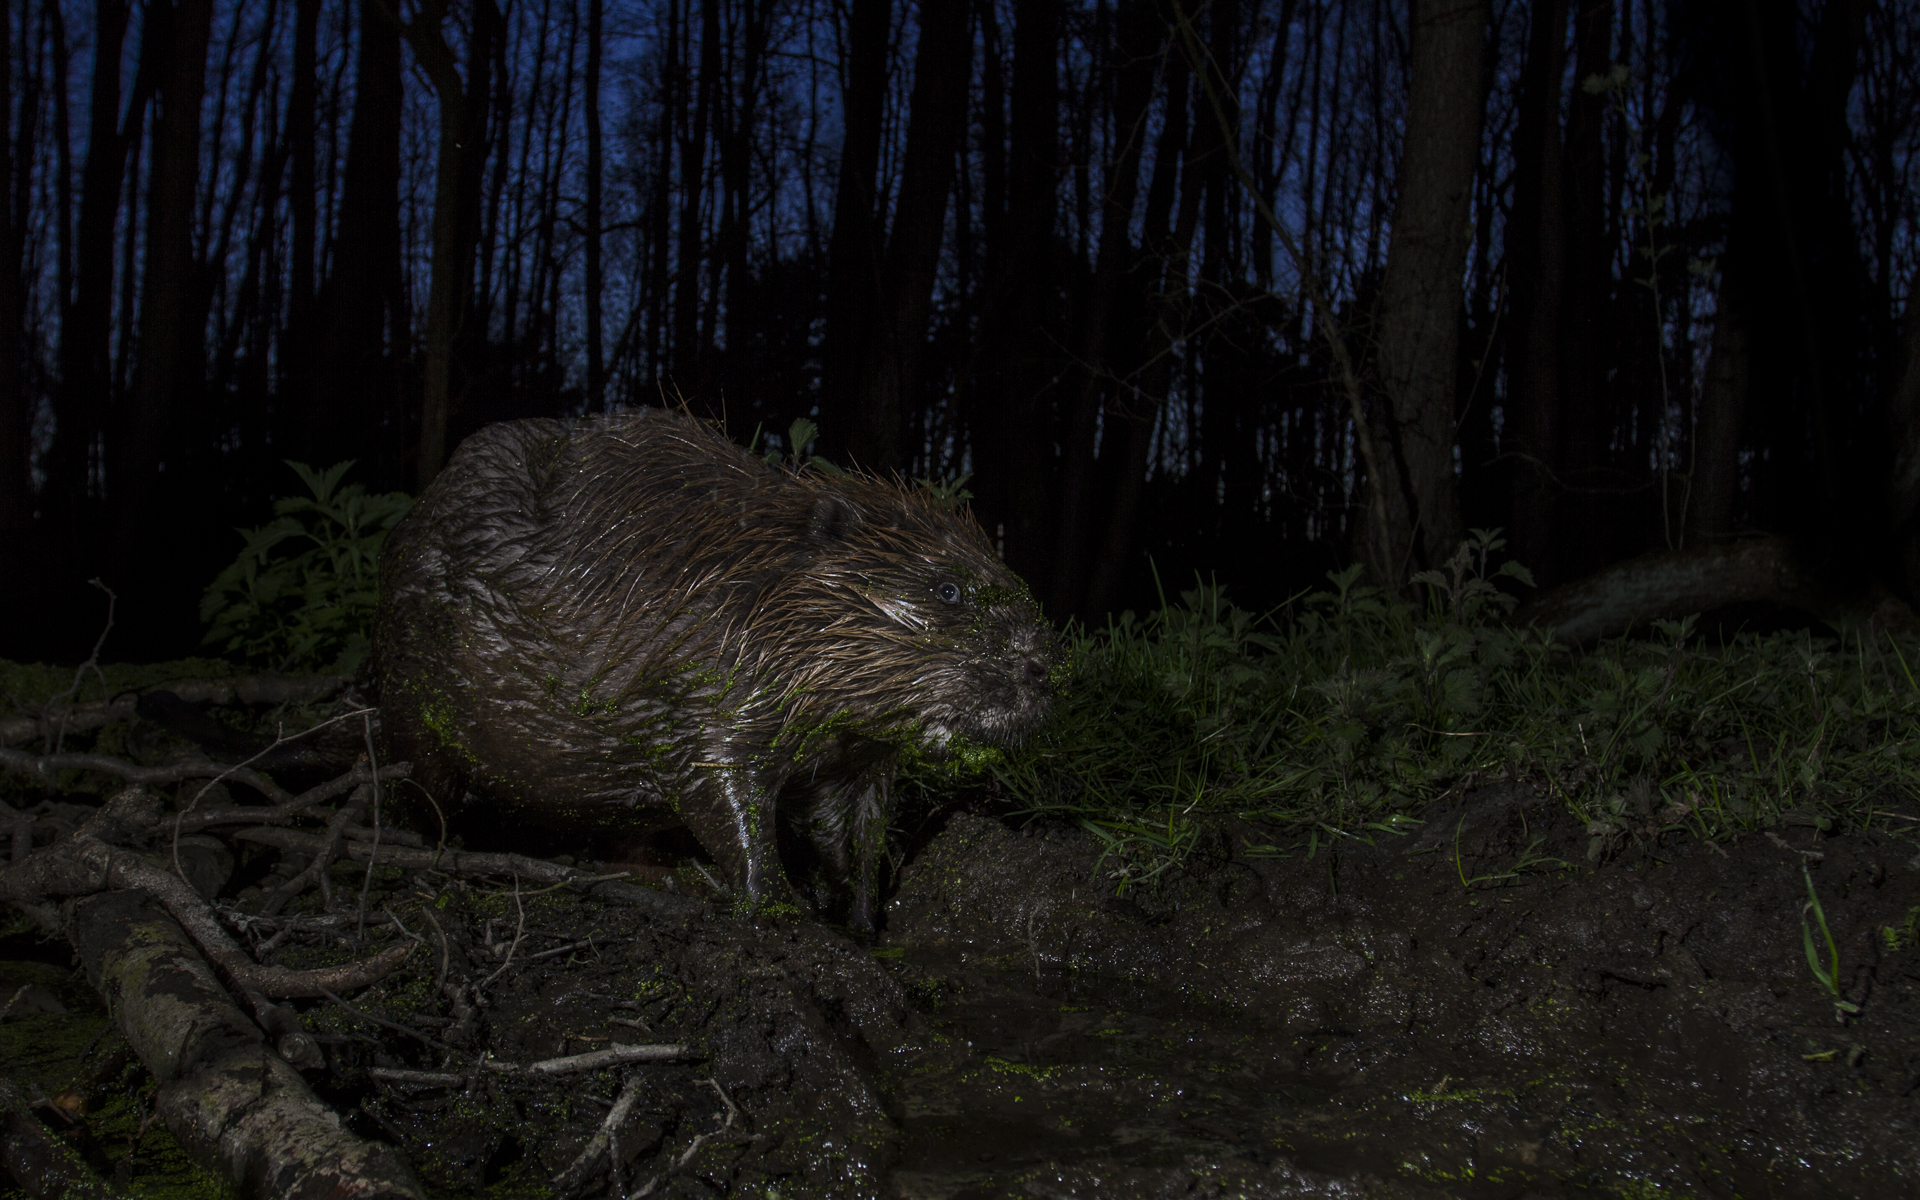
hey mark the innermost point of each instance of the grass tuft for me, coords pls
(1347, 712)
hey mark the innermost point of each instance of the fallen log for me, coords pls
(247, 689)
(234, 1104)
(1673, 584)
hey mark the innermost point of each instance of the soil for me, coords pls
(1451, 1012)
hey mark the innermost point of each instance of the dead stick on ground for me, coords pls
(93, 660)
(233, 1104)
(468, 862)
(616, 1055)
(519, 932)
(298, 806)
(46, 767)
(316, 869)
(605, 1141)
(366, 884)
(84, 864)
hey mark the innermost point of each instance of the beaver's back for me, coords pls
(555, 565)
(631, 621)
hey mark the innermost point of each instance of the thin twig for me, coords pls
(549, 1068)
(93, 660)
(299, 806)
(366, 883)
(13, 1000)
(382, 1021)
(519, 932)
(440, 979)
(317, 869)
(84, 864)
(20, 827)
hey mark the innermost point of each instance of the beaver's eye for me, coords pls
(949, 592)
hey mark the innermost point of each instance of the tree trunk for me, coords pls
(1139, 38)
(655, 295)
(596, 355)
(16, 171)
(888, 386)
(145, 436)
(1672, 584)
(853, 253)
(1713, 494)
(1015, 440)
(689, 349)
(1157, 283)
(458, 164)
(736, 234)
(1903, 433)
(296, 346)
(86, 322)
(362, 305)
(1420, 298)
(1536, 275)
(1593, 526)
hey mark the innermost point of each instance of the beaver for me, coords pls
(631, 622)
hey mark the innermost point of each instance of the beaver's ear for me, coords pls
(833, 520)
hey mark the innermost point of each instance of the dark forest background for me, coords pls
(1249, 287)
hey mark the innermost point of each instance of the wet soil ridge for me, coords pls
(1504, 1002)
(1448, 1011)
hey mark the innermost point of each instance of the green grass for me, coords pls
(1345, 713)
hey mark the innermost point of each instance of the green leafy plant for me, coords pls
(301, 594)
(800, 435)
(1905, 935)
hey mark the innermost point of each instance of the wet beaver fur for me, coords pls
(631, 622)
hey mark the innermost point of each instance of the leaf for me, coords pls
(321, 483)
(800, 435)
(1514, 570)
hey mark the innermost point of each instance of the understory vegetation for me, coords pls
(1345, 713)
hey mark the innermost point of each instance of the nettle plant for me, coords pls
(301, 594)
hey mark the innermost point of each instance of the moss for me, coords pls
(437, 716)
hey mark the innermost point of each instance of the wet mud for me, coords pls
(1449, 1012)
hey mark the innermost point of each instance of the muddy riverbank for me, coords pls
(1454, 1011)
(1365, 1023)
